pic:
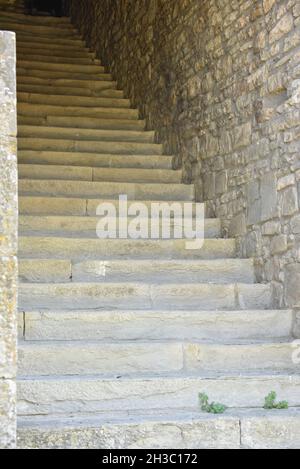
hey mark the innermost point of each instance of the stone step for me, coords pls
(37, 19)
(79, 173)
(51, 247)
(141, 296)
(84, 101)
(63, 90)
(46, 52)
(37, 270)
(55, 74)
(26, 24)
(253, 429)
(132, 358)
(35, 57)
(83, 122)
(91, 394)
(89, 85)
(86, 189)
(156, 325)
(95, 160)
(89, 146)
(75, 42)
(34, 110)
(57, 31)
(45, 206)
(84, 69)
(86, 226)
(66, 133)
(48, 46)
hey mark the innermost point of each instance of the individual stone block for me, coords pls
(279, 430)
(7, 414)
(221, 182)
(295, 225)
(283, 27)
(279, 244)
(292, 283)
(8, 196)
(253, 203)
(268, 193)
(289, 203)
(242, 136)
(286, 181)
(8, 120)
(238, 226)
(268, 5)
(8, 318)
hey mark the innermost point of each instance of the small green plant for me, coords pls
(270, 402)
(213, 408)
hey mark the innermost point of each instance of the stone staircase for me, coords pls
(118, 337)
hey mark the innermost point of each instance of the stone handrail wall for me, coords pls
(219, 82)
(8, 240)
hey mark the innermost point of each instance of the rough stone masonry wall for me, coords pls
(219, 80)
(8, 239)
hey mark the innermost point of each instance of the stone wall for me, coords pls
(219, 80)
(8, 239)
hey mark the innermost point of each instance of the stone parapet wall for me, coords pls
(8, 239)
(220, 83)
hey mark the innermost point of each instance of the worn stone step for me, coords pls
(86, 189)
(57, 22)
(83, 122)
(51, 247)
(86, 134)
(48, 46)
(57, 31)
(40, 39)
(63, 90)
(91, 394)
(89, 146)
(77, 111)
(73, 358)
(253, 429)
(80, 173)
(169, 431)
(58, 100)
(143, 296)
(90, 85)
(156, 325)
(56, 74)
(86, 226)
(46, 52)
(95, 160)
(209, 358)
(29, 27)
(37, 270)
(37, 19)
(35, 57)
(84, 69)
(43, 205)
(132, 358)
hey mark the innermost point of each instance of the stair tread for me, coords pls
(77, 111)
(89, 133)
(253, 429)
(84, 101)
(272, 375)
(163, 415)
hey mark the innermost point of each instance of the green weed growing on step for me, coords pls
(213, 408)
(270, 402)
